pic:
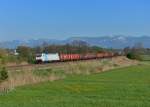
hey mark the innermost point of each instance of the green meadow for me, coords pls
(145, 57)
(124, 87)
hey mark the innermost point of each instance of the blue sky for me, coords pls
(60, 19)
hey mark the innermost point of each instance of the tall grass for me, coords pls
(20, 78)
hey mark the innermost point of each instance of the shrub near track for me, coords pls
(3, 74)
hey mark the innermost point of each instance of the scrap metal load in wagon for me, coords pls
(58, 57)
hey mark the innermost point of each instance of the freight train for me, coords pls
(56, 57)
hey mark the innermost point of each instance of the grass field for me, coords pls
(125, 87)
(146, 57)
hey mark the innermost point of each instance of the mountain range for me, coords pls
(117, 42)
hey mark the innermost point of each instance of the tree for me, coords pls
(138, 48)
(126, 50)
(26, 53)
(38, 49)
(23, 51)
(82, 46)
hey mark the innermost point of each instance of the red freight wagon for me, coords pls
(105, 54)
(89, 56)
(108, 54)
(100, 55)
(68, 57)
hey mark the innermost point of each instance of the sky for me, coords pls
(61, 19)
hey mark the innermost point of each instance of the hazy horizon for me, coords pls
(61, 19)
(61, 39)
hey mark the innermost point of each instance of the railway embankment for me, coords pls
(32, 74)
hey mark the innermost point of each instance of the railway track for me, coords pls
(32, 66)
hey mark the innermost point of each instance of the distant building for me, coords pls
(15, 52)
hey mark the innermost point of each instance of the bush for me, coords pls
(133, 55)
(3, 74)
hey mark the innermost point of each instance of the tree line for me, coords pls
(27, 53)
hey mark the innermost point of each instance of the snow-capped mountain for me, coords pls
(105, 41)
